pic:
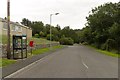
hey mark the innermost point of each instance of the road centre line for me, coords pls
(84, 64)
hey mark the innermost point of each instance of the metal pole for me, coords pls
(8, 33)
(50, 30)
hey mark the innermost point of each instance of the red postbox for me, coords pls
(31, 43)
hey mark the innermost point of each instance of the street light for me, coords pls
(50, 27)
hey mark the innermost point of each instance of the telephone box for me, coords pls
(19, 46)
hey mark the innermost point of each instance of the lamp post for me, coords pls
(8, 33)
(50, 28)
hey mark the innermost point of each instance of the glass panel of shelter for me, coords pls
(19, 47)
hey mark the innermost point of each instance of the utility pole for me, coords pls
(8, 32)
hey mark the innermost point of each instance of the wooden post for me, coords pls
(8, 33)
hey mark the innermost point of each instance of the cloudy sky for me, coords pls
(72, 12)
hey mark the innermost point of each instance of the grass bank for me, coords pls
(106, 52)
(5, 62)
(44, 50)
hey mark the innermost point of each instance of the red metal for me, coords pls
(31, 43)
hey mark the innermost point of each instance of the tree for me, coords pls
(66, 41)
(103, 27)
(26, 22)
(37, 27)
(101, 21)
(114, 32)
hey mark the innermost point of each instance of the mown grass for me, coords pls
(4, 62)
(106, 52)
(41, 51)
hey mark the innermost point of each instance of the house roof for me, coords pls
(16, 23)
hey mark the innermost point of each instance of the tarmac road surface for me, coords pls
(76, 61)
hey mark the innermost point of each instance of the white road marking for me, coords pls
(84, 64)
(71, 46)
(18, 71)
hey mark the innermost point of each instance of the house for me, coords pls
(15, 29)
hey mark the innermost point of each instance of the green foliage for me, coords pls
(41, 34)
(109, 53)
(110, 44)
(26, 22)
(103, 27)
(67, 32)
(85, 35)
(38, 27)
(48, 37)
(112, 53)
(4, 62)
(53, 37)
(66, 41)
(37, 36)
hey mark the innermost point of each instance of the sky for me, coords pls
(72, 13)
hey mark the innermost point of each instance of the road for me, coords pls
(73, 62)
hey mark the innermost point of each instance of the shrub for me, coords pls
(103, 46)
(41, 34)
(48, 37)
(85, 43)
(66, 41)
(110, 44)
(37, 36)
(53, 37)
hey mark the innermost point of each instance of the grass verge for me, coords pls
(106, 52)
(41, 51)
(5, 62)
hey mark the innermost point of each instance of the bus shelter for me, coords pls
(19, 46)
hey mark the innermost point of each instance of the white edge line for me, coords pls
(9, 76)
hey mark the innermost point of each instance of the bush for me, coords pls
(85, 43)
(41, 34)
(53, 37)
(110, 44)
(37, 36)
(48, 37)
(103, 46)
(66, 41)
